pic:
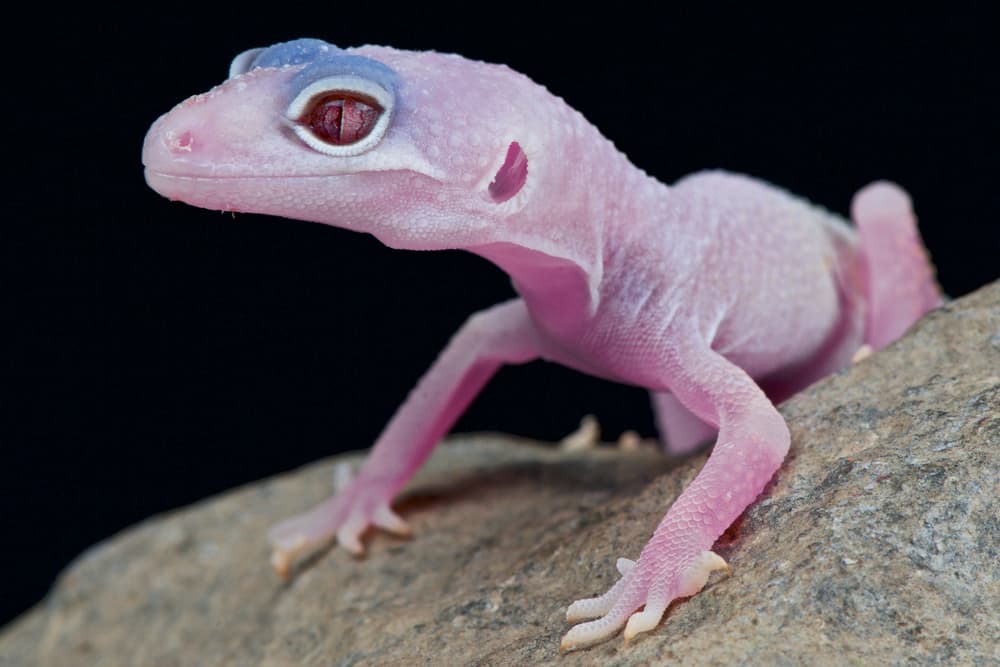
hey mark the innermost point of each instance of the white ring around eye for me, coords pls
(352, 85)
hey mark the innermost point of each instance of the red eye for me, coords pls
(342, 118)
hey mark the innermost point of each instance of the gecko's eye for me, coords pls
(342, 118)
(341, 115)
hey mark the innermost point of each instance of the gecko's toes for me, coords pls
(646, 583)
(647, 619)
(581, 610)
(359, 502)
(624, 566)
(593, 632)
(629, 441)
(391, 522)
(284, 555)
(694, 577)
(349, 535)
(614, 608)
(587, 436)
(862, 353)
(293, 537)
(586, 608)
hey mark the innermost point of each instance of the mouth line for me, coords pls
(286, 177)
(188, 177)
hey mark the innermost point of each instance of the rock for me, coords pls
(877, 543)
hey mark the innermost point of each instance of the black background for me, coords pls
(156, 354)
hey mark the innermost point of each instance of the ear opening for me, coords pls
(511, 176)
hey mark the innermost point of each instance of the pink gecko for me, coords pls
(720, 294)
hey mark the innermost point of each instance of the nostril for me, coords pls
(178, 143)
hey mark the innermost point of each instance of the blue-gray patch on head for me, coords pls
(296, 52)
(342, 64)
(321, 60)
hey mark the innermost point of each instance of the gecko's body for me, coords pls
(720, 294)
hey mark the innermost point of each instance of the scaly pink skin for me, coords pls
(720, 294)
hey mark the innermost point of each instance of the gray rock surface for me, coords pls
(877, 543)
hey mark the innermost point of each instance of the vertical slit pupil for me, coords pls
(342, 119)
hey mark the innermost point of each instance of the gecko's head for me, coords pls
(423, 150)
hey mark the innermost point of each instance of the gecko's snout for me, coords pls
(171, 147)
(179, 154)
(214, 134)
(176, 143)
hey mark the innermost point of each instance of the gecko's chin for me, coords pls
(197, 191)
(308, 198)
(239, 193)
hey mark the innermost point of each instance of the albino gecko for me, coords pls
(721, 294)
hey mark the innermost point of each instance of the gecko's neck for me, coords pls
(558, 291)
(561, 282)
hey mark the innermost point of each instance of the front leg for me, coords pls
(490, 338)
(753, 440)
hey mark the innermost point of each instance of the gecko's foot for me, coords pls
(643, 584)
(355, 505)
(587, 436)
(862, 353)
(629, 441)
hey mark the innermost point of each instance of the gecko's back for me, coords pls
(807, 264)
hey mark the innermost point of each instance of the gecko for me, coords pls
(721, 294)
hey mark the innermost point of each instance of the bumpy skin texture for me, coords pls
(720, 294)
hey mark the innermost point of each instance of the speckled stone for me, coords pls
(877, 543)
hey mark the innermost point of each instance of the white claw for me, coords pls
(693, 579)
(645, 620)
(388, 520)
(624, 566)
(640, 621)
